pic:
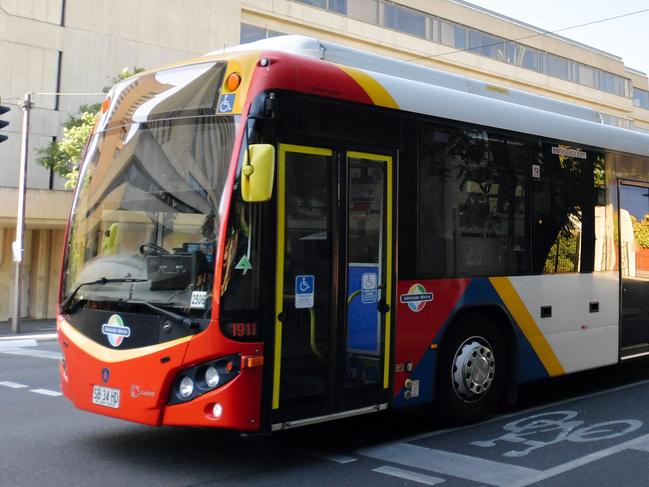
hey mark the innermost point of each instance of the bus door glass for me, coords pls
(305, 298)
(333, 281)
(634, 267)
(369, 249)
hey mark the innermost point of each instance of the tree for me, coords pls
(64, 155)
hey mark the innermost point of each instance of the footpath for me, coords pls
(29, 328)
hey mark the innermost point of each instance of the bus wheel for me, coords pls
(472, 370)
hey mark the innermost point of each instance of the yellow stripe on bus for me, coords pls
(110, 355)
(528, 326)
(373, 88)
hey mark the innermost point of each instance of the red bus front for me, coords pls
(154, 325)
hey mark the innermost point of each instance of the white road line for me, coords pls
(454, 464)
(46, 392)
(18, 344)
(332, 457)
(13, 385)
(408, 475)
(33, 353)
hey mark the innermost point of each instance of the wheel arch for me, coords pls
(499, 316)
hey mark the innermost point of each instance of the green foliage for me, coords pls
(641, 231)
(563, 255)
(64, 155)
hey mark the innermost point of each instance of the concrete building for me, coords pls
(78, 46)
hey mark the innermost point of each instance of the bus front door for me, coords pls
(333, 283)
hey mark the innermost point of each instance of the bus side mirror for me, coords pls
(257, 173)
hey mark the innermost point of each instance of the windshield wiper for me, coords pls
(66, 304)
(186, 322)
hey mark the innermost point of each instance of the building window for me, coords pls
(252, 33)
(559, 67)
(314, 3)
(404, 19)
(641, 98)
(487, 45)
(586, 75)
(623, 123)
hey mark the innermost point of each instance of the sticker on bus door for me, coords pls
(304, 291)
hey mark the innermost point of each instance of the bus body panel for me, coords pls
(143, 376)
(570, 340)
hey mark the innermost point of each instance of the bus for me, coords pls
(293, 231)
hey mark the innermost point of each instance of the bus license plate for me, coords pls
(105, 396)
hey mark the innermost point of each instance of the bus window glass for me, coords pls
(472, 203)
(148, 208)
(567, 203)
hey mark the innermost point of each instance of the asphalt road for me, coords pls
(589, 429)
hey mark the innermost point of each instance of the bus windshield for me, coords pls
(147, 212)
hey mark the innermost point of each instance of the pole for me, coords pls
(18, 245)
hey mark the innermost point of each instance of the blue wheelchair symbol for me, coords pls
(304, 284)
(226, 103)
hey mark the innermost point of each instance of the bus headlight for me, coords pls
(212, 377)
(196, 381)
(186, 387)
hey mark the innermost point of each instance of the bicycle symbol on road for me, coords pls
(545, 429)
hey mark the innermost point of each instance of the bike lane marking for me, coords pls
(493, 472)
(640, 441)
(522, 412)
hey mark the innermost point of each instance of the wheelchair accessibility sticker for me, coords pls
(304, 291)
(226, 103)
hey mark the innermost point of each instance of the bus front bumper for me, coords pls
(135, 384)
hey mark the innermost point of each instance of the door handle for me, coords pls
(383, 307)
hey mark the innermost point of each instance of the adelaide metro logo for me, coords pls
(115, 330)
(416, 298)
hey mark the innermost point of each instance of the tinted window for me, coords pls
(472, 203)
(567, 184)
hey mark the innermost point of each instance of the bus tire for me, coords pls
(472, 371)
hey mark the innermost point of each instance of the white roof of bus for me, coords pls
(422, 89)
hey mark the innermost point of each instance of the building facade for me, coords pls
(78, 46)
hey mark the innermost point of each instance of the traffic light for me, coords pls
(3, 123)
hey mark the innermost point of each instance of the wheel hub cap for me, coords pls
(474, 367)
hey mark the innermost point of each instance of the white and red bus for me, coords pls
(293, 231)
